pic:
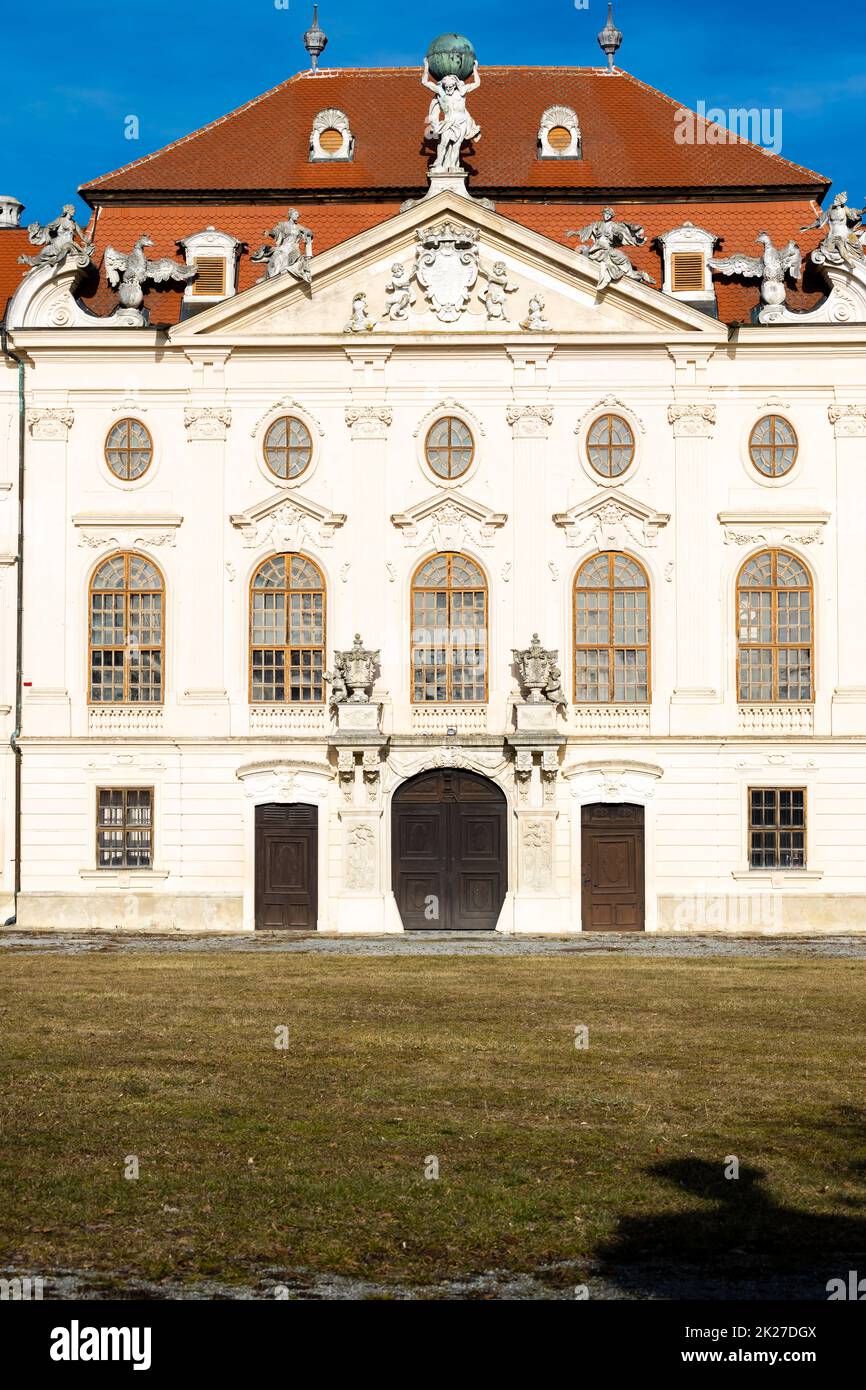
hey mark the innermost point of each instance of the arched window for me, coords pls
(287, 632)
(449, 631)
(774, 628)
(611, 632)
(127, 634)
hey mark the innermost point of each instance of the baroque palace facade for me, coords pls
(472, 554)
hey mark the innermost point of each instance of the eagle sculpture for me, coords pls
(770, 268)
(132, 270)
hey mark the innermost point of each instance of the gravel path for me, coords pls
(435, 943)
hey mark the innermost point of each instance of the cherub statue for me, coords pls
(336, 679)
(360, 322)
(448, 121)
(291, 252)
(770, 268)
(131, 270)
(61, 238)
(535, 321)
(399, 294)
(493, 297)
(553, 691)
(606, 237)
(845, 234)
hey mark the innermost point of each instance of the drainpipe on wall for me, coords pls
(19, 623)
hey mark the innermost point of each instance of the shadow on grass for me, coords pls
(740, 1243)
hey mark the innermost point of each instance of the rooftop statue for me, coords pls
(448, 121)
(845, 233)
(770, 268)
(605, 238)
(131, 271)
(292, 250)
(61, 238)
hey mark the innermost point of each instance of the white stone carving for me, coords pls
(537, 853)
(449, 406)
(369, 421)
(360, 858)
(129, 271)
(530, 421)
(611, 522)
(291, 253)
(494, 296)
(606, 238)
(771, 269)
(437, 719)
(848, 421)
(145, 531)
(774, 528)
(50, 424)
(564, 118)
(287, 405)
(448, 520)
(286, 523)
(359, 319)
(125, 719)
(612, 404)
(207, 422)
(399, 293)
(535, 322)
(331, 119)
(692, 419)
(449, 123)
(610, 719)
(288, 719)
(446, 266)
(776, 719)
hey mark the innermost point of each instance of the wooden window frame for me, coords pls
(449, 589)
(774, 447)
(124, 867)
(287, 649)
(774, 645)
(677, 257)
(127, 449)
(450, 447)
(610, 416)
(127, 556)
(777, 829)
(287, 449)
(612, 647)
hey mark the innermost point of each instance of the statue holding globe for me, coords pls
(450, 61)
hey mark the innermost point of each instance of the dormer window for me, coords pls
(687, 274)
(559, 134)
(331, 136)
(215, 257)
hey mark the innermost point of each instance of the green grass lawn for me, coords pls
(253, 1157)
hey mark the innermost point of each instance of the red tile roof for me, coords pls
(13, 243)
(261, 150)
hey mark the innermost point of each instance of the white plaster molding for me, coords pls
(449, 406)
(285, 522)
(50, 423)
(211, 242)
(848, 420)
(369, 421)
(488, 762)
(530, 421)
(206, 422)
(792, 527)
(97, 529)
(331, 118)
(448, 520)
(612, 522)
(563, 116)
(692, 419)
(287, 405)
(612, 780)
(610, 405)
(688, 237)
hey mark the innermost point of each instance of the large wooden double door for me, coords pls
(286, 867)
(449, 851)
(612, 867)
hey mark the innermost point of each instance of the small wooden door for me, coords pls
(449, 851)
(286, 867)
(612, 868)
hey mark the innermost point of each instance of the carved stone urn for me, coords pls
(534, 665)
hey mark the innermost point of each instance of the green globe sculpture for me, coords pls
(451, 53)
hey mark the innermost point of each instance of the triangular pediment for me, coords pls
(611, 521)
(450, 227)
(448, 519)
(287, 520)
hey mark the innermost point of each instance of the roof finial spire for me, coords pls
(610, 38)
(315, 39)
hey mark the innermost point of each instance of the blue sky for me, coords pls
(74, 74)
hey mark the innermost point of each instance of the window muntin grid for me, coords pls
(449, 447)
(611, 631)
(610, 445)
(124, 828)
(449, 631)
(287, 632)
(288, 447)
(777, 828)
(774, 629)
(126, 638)
(128, 449)
(773, 446)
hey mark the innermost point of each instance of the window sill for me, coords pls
(778, 878)
(124, 878)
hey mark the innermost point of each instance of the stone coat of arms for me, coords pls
(446, 267)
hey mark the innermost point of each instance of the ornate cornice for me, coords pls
(849, 421)
(206, 422)
(692, 420)
(529, 421)
(369, 421)
(50, 424)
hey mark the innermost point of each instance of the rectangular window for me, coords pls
(777, 828)
(211, 278)
(687, 272)
(124, 828)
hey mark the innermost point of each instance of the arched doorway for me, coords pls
(449, 851)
